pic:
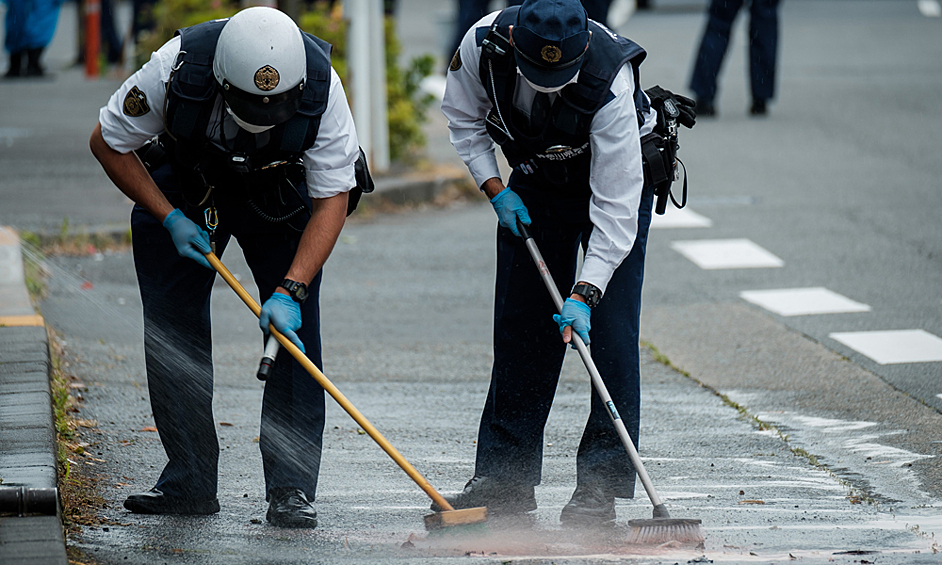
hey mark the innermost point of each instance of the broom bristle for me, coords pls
(658, 531)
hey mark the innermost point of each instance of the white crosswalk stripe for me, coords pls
(726, 254)
(679, 218)
(930, 8)
(891, 347)
(803, 301)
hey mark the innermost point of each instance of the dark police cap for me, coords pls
(550, 38)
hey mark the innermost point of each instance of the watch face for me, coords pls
(298, 291)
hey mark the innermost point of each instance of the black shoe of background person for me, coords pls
(759, 108)
(498, 496)
(16, 65)
(705, 108)
(290, 508)
(156, 502)
(590, 505)
(33, 68)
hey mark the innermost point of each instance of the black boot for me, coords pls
(16, 65)
(33, 68)
(500, 497)
(590, 505)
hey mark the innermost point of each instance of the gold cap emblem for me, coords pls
(551, 53)
(266, 78)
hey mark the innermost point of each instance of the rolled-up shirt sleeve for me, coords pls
(466, 105)
(329, 163)
(616, 180)
(135, 112)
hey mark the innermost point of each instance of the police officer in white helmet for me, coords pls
(234, 128)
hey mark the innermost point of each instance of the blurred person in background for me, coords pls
(763, 44)
(30, 25)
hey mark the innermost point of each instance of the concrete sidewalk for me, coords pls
(30, 527)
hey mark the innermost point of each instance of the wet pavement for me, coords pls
(406, 340)
(784, 447)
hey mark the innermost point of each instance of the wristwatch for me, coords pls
(591, 294)
(298, 291)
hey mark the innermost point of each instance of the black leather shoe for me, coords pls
(290, 508)
(156, 502)
(590, 505)
(706, 109)
(759, 108)
(498, 496)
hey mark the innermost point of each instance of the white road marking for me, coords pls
(930, 8)
(726, 254)
(679, 218)
(803, 301)
(898, 346)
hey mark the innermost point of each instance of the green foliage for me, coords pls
(406, 104)
(171, 15)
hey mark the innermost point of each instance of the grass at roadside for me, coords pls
(78, 487)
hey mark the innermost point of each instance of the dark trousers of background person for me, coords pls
(175, 292)
(470, 11)
(109, 34)
(763, 42)
(529, 352)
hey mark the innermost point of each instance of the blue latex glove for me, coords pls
(576, 315)
(284, 313)
(509, 207)
(190, 240)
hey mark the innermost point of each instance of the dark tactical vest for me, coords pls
(560, 154)
(251, 162)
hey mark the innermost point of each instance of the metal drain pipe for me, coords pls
(24, 501)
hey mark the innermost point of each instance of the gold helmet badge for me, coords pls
(266, 78)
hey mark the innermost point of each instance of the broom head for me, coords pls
(662, 530)
(452, 518)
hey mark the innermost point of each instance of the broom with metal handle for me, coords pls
(661, 528)
(448, 517)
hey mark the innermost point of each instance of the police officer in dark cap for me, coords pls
(560, 93)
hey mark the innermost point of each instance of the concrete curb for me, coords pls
(27, 429)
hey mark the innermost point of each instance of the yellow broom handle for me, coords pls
(330, 388)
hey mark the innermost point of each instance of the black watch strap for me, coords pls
(297, 290)
(590, 292)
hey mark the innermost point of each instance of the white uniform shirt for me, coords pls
(616, 176)
(328, 163)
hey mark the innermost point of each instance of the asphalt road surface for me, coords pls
(838, 186)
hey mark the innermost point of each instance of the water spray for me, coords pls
(448, 517)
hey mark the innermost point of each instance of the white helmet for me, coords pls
(261, 65)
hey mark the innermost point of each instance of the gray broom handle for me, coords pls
(593, 371)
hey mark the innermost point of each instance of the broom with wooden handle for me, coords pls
(448, 517)
(661, 528)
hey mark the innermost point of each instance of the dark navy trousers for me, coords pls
(175, 292)
(529, 351)
(763, 45)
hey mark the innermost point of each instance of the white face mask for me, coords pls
(546, 89)
(245, 125)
